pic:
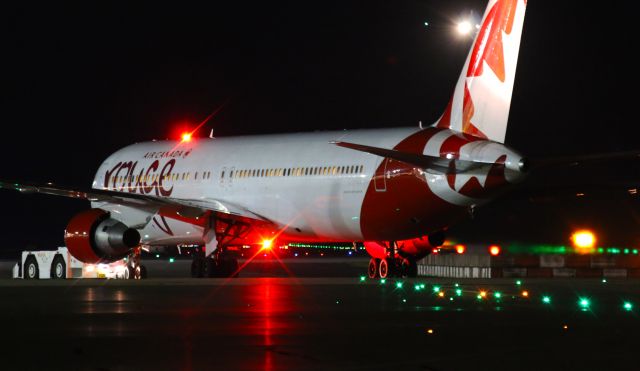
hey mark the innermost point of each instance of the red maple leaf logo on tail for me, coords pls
(488, 47)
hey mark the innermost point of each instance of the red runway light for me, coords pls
(494, 250)
(267, 244)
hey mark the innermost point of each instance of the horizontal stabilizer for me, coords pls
(440, 165)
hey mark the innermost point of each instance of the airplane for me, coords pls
(396, 190)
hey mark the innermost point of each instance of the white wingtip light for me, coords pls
(464, 28)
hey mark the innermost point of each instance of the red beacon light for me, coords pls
(494, 250)
(186, 137)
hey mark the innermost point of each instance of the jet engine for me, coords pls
(420, 247)
(93, 236)
(415, 248)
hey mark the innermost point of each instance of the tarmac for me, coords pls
(317, 314)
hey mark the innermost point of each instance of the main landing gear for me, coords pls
(218, 264)
(135, 270)
(393, 265)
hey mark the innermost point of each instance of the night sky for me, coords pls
(80, 81)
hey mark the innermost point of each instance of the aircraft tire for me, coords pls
(197, 267)
(373, 268)
(384, 269)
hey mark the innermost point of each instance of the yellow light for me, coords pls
(441, 294)
(525, 294)
(584, 239)
(460, 249)
(186, 137)
(483, 294)
(565, 327)
(267, 244)
(430, 331)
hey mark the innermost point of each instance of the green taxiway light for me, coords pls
(518, 282)
(157, 255)
(627, 306)
(417, 287)
(422, 286)
(459, 292)
(604, 280)
(584, 303)
(456, 285)
(546, 299)
(362, 278)
(383, 281)
(399, 285)
(436, 288)
(497, 294)
(171, 260)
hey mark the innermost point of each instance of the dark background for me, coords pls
(81, 80)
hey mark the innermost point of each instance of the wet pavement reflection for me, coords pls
(316, 324)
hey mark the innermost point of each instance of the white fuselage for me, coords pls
(309, 188)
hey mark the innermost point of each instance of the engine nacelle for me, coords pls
(93, 237)
(416, 248)
(421, 246)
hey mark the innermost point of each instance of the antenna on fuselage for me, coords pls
(211, 134)
(420, 124)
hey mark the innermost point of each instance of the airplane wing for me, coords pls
(184, 207)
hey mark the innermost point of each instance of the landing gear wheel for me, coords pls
(197, 267)
(143, 272)
(129, 273)
(31, 270)
(137, 272)
(212, 267)
(233, 267)
(384, 269)
(373, 268)
(409, 268)
(58, 268)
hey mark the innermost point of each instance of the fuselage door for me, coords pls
(380, 177)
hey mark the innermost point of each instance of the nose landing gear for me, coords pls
(218, 264)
